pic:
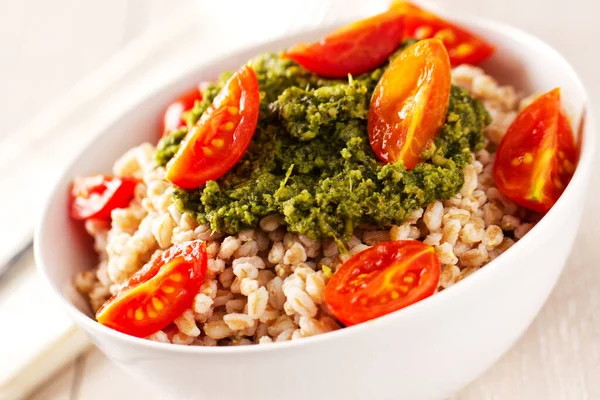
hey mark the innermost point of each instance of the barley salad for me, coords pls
(317, 188)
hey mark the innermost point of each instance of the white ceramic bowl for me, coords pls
(426, 351)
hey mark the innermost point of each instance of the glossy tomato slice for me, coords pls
(158, 293)
(96, 196)
(537, 156)
(352, 49)
(382, 279)
(221, 136)
(463, 46)
(410, 102)
(172, 119)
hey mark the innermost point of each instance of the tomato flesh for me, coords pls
(158, 293)
(382, 279)
(94, 197)
(410, 102)
(221, 136)
(172, 119)
(537, 156)
(463, 46)
(352, 49)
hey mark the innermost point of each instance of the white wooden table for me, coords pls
(559, 355)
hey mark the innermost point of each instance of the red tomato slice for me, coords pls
(537, 156)
(172, 120)
(580, 128)
(463, 46)
(409, 103)
(221, 136)
(96, 196)
(382, 279)
(352, 49)
(159, 293)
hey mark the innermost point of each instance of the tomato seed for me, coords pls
(157, 304)
(558, 184)
(168, 289)
(446, 36)
(569, 166)
(139, 314)
(423, 32)
(218, 143)
(463, 50)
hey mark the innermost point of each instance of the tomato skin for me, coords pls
(158, 293)
(353, 49)
(410, 102)
(221, 136)
(382, 279)
(580, 128)
(537, 156)
(172, 119)
(94, 197)
(463, 46)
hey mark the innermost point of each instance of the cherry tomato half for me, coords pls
(96, 196)
(537, 156)
(409, 103)
(172, 120)
(158, 293)
(221, 136)
(382, 279)
(463, 46)
(352, 49)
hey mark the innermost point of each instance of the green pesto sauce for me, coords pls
(168, 146)
(310, 158)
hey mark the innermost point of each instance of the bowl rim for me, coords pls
(516, 34)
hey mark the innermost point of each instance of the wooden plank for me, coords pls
(44, 340)
(99, 370)
(59, 388)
